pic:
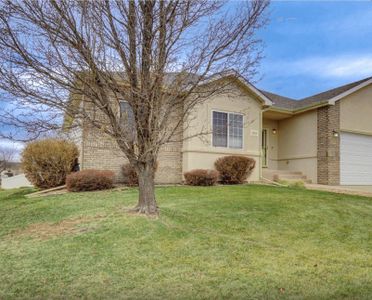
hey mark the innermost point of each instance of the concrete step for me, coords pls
(295, 180)
(285, 175)
(290, 176)
(270, 171)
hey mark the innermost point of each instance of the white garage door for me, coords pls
(355, 159)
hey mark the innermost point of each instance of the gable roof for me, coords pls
(171, 78)
(280, 101)
(328, 95)
(326, 98)
(235, 75)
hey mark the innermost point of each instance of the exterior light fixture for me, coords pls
(335, 133)
(274, 131)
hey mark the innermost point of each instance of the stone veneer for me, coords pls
(329, 145)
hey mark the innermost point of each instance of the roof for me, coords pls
(174, 78)
(281, 101)
(235, 75)
(317, 99)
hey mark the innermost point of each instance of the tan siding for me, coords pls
(297, 143)
(198, 152)
(356, 111)
(101, 152)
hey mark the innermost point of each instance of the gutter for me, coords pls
(300, 110)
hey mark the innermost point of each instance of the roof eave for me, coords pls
(233, 74)
(299, 110)
(333, 100)
(265, 100)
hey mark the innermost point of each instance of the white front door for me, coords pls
(355, 159)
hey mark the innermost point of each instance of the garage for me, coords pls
(355, 159)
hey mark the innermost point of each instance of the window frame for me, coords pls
(228, 128)
(125, 101)
(120, 101)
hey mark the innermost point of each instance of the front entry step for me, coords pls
(284, 175)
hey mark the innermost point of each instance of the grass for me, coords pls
(216, 242)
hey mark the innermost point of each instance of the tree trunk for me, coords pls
(146, 202)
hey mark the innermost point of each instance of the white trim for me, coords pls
(228, 128)
(356, 131)
(227, 152)
(333, 100)
(235, 74)
(266, 100)
(305, 156)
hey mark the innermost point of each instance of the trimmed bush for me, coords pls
(129, 175)
(234, 169)
(90, 180)
(200, 177)
(46, 163)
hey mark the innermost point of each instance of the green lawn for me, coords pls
(214, 242)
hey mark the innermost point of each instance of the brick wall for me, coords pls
(101, 152)
(75, 135)
(329, 145)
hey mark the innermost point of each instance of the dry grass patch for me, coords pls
(45, 231)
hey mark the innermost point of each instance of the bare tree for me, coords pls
(6, 156)
(162, 57)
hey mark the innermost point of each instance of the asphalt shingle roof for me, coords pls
(293, 104)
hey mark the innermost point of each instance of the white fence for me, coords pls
(14, 182)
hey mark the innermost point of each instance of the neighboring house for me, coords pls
(326, 137)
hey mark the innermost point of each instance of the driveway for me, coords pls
(361, 190)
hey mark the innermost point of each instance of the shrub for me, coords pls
(201, 177)
(234, 169)
(129, 175)
(293, 184)
(90, 180)
(46, 163)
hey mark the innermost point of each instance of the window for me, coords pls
(227, 130)
(127, 117)
(219, 129)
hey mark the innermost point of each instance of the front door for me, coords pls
(264, 148)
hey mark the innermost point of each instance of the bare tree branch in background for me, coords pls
(159, 56)
(6, 156)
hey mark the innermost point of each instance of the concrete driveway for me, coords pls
(361, 190)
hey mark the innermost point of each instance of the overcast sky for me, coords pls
(312, 46)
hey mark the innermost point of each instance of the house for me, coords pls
(325, 138)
